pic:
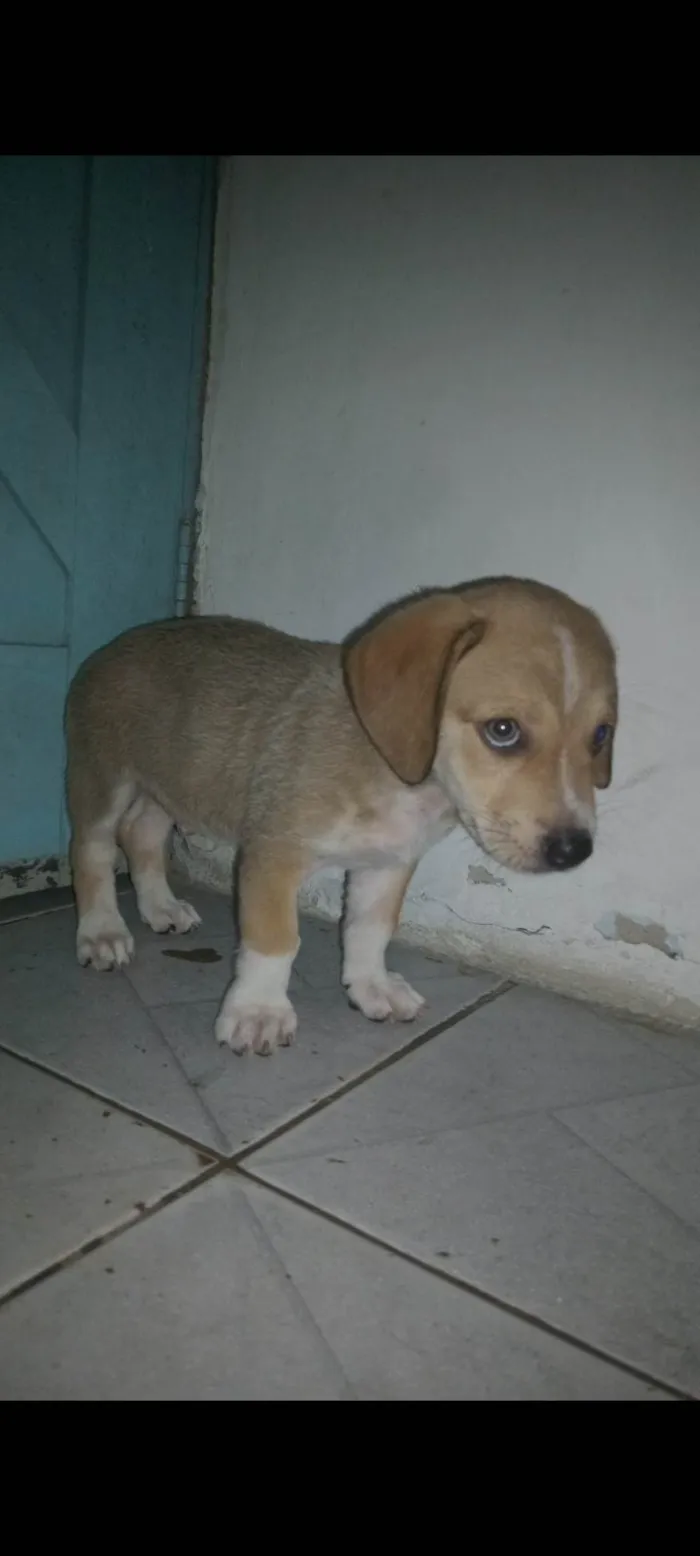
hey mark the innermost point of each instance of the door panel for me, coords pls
(32, 688)
(104, 270)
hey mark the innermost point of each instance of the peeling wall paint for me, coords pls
(30, 875)
(635, 931)
(480, 876)
(425, 369)
(33, 875)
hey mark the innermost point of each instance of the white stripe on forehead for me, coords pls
(572, 679)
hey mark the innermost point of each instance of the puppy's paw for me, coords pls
(385, 997)
(259, 1029)
(168, 914)
(103, 941)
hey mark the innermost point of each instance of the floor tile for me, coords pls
(215, 908)
(401, 1332)
(426, 1156)
(232, 1293)
(319, 958)
(71, 1169)
(682, 1047)
(54, 899)
(541, 1151)
(192, 1304)
(248, 1097)
(654, 1139)
(90, 1026)
(27, 904)
(166, 1064)
(173, 969)
(525, 1050)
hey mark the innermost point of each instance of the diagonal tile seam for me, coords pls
(219, 1162)
(510, 1117)
(202, 1148)
(231, 1158)
(471, 1288)
(102, 1239)
(562, 1123)
(304, 1312)
(386, 1062)
(221, 1150)
(220, 1167)
(40, 910)
(460, 1283)
(31, 913)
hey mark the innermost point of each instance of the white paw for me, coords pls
(103, 941)
(262, 1028)
(167, 913)
(385, 996)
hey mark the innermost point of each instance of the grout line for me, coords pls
(203, 1149)
(102, 1239)
(233, 1169)
(40, 910)
(385, 1063)
(462, 1283)
(229, 1158)
(222, 1152)
(32, 913)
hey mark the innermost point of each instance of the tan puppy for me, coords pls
(492, 704)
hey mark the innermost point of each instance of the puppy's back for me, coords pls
(186, 707)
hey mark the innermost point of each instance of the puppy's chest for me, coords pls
(397, 828)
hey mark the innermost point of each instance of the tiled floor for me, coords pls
(501, 1201)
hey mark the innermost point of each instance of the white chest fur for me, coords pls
(398, 827)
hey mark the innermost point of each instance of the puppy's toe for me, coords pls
(388, 997)
(168, 915)
(103, 942)
(258, 1029)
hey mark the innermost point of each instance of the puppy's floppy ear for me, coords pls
(397, 672)
(602, 766)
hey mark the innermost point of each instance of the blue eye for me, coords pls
(600, 735)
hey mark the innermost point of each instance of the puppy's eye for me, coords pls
(502, 734)
(600, 736)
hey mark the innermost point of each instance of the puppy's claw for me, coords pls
(169, 915)
(104, 943)
(258, 1029)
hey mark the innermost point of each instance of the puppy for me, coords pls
(492, 704)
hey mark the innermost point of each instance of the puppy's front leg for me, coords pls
(373, 908)
(256, 1013)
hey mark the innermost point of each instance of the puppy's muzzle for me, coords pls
(567, 847)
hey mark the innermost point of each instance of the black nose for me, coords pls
(562, 850)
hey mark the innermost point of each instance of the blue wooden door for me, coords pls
(104, 269)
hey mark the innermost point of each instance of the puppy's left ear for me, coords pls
(397, 673)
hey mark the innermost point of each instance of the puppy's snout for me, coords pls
(567, 847)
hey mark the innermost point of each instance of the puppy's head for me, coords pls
(506, 691)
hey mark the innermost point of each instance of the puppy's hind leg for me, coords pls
(143, 834)
(103, 938)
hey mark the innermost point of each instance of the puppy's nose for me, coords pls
(566, 848)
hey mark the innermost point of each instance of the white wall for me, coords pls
(429, 368)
